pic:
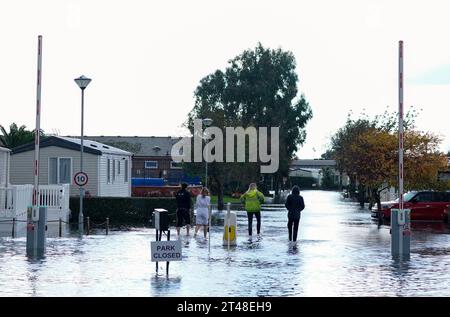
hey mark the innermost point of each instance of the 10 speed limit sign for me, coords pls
(80, 178)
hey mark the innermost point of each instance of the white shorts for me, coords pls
(201, 217)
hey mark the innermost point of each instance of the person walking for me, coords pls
(294, 204)
(183, 198)
(253, 200)
(202, 211)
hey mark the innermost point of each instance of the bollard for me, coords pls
(229, 232)
(13, 228)
(36, 232)
(88, 226)
(400, 233)
(107, 226)
(60, 227)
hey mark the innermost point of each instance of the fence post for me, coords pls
(60, 227)
(167, 263)
(13, 227)
(107, 226)
(88, 226)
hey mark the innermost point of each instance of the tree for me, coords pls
(16, 136)
(259, 89)
(367, 150)
(327, 179)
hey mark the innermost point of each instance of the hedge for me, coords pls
(122, 210)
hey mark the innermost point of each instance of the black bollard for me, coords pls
(88, 225)
(13, 228)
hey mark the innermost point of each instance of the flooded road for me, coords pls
(341, 252)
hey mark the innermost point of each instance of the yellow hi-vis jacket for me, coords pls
(253, 200)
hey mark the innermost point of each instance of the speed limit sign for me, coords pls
(80, 178)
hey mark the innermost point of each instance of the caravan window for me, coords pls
(59, 170)
(108, 170)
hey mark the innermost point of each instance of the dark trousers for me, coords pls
(293, 223)
(250, 221)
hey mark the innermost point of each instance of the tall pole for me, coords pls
(400, 135)
(400, 126)
(206, 173)
(80, 215)
(36, 198)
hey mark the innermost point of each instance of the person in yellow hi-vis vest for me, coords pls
(253, 200)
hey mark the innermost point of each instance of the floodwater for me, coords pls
(341, 252)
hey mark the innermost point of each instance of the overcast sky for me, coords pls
(147, 57)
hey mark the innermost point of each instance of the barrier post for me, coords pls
(167, 263)
(229, 224)
(107, 226)
(88, 226)
(13, 228)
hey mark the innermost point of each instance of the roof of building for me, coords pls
(140, 145)
(3, 149)
(89, 146)
(314, 163)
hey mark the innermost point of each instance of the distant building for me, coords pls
(445, 175)
(151, 156)
(108, 168)
(300, 168)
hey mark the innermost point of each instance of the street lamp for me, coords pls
(207, 122)
(82, 82)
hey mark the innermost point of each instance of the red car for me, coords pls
(424, 205)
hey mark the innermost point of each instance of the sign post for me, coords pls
(162, 250)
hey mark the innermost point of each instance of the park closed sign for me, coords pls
(162, 251)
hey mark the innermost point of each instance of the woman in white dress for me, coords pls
(202, 214)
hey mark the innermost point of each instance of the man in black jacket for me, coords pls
(294, 205)
(183, 208)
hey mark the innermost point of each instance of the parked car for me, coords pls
(424, 205)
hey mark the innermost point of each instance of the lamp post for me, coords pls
(207, 122)
(82, 82)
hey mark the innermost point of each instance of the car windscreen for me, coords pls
(408, 196)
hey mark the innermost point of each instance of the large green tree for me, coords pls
(259, 89)
(16, 136)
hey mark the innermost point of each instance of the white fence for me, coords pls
(15, 199)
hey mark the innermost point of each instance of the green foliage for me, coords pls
(16, 136)
(259, 89)
(328, 179)
(122, 210)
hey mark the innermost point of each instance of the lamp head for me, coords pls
(82, 81)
